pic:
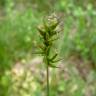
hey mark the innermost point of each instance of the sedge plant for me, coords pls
(48, 32)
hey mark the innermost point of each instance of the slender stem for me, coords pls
(48, 91)
(47, 74)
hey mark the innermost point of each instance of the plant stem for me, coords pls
(48, 91)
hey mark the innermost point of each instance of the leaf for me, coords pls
(54, 57)
(53, 66)
(57, 60)
(38, 52)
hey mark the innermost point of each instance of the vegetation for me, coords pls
(18, 34)
(49, 33)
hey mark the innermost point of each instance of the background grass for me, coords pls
(18, 22)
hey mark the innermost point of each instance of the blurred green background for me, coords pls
(22, 73)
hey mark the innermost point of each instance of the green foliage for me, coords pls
(18, 33)
(16, 38)
(5, 83)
